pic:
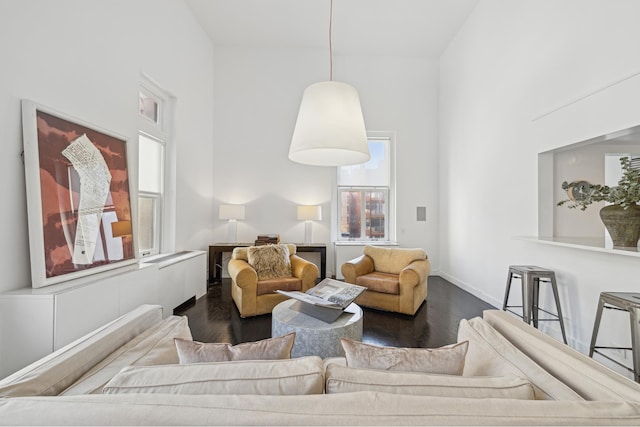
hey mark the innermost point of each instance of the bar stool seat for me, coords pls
(623, 301)
(531, 276)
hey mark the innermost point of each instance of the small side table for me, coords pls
(313, 336)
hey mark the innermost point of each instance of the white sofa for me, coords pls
(66, 388)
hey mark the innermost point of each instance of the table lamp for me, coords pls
(232, 213)
(307, 214)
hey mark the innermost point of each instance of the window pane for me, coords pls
(151, 159)
(146, 223)
(375, 209)
(374, 173)
(351, 214)
(148, 107)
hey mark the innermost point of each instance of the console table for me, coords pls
(217, 249)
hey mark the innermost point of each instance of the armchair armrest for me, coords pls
(357, 267)
(415, 273)
(242, 274)
(304, 270)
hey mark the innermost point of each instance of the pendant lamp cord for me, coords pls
(330, 47)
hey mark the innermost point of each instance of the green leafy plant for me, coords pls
(625, 194)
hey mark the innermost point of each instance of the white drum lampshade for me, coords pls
(232, 213)
(309, 213)
(330, 127)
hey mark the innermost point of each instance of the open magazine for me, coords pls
(329, 293)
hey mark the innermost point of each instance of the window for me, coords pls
(364, 195)
(152, 148)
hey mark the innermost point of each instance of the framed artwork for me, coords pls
(78, 199)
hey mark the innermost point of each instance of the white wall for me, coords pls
(520, 78)
(257, 93)
(85, 59)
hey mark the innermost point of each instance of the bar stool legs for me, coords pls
(622, 301)
(530, 277)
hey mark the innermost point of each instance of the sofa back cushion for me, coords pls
(304, 375)
(267, 349)
(392, 260)
(490, 354)
(587, 377)
(340, 379)
(52, 374)
(155, 346)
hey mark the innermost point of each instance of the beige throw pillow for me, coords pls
(269, 349)
(448, 360)
(270, 261)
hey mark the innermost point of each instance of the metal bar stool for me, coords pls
(531, 276)
(623, 301)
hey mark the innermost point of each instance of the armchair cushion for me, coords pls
(270, 261)
(380, 282)
(281, 283)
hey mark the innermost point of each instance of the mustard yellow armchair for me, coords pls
(253, 296)
(395, 278)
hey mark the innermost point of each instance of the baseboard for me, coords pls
(472, 290)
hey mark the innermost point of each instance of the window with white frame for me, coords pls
(152, 140)
(365, 194)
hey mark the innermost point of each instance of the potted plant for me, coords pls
(622, 216)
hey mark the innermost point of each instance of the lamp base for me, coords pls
(308, 232)
(232, 231)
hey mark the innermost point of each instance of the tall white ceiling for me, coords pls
(360, 27)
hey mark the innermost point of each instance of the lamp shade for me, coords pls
(231, 212)
(309, 213)
(330, 128)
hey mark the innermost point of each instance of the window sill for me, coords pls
(365, 242)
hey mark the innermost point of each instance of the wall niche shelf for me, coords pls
(594, 161)
(593, 244)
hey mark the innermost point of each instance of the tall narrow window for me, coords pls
(364, 195)
(152, 140)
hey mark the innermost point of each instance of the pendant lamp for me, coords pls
(330, 127)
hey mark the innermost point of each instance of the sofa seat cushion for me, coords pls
(490, 354)
(385, 283)
(281, 283)
(304, 375)
(349, 409)
(393, 260)
(340, 379)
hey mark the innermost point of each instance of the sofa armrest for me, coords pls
(415, 273)
(304, 270)
(242, 274)
(357, 267)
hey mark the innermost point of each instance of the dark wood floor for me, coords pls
(215, 318)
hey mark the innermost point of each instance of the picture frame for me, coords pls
(78, 197)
